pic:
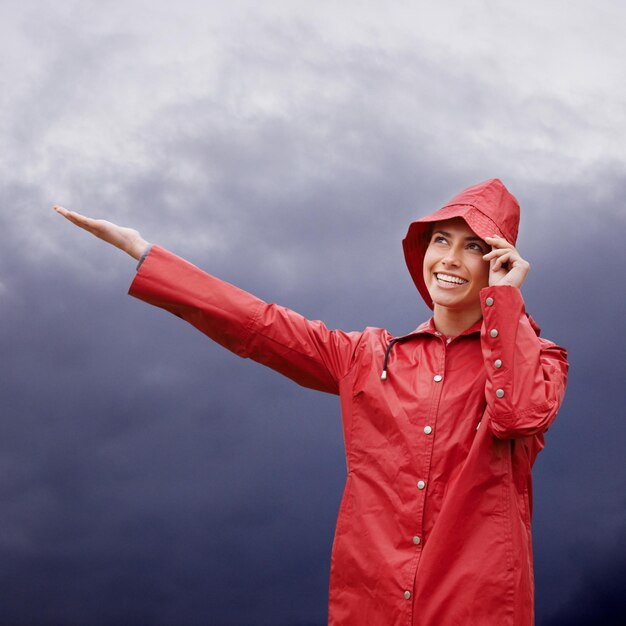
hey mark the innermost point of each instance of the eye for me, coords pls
(476, 246)
(439, 239)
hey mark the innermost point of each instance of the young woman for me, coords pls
(441, 426)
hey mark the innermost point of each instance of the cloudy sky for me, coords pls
(148, 476)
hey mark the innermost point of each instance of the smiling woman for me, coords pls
(454, 273)
(458, 264)
(441, 426)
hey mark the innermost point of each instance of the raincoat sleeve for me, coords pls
(526, 375)
(303, 350)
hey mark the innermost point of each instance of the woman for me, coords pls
(441, 426)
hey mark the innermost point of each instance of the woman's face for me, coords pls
(454, 269)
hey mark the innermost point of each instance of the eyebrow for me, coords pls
(447, 234)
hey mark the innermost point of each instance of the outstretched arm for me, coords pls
(126, 239)
(305, 351)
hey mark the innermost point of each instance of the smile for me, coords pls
(450, 280)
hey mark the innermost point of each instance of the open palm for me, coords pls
(127, 239)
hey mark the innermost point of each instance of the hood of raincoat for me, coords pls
(489, 208)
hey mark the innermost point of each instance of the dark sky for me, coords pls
(150, 477)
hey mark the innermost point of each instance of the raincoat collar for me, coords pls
(428, 327)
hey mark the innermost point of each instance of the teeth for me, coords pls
(446, 278)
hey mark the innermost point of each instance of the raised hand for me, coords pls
(126, 239)
(506, 265)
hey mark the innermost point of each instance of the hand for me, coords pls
(506, 266)
(126, 239)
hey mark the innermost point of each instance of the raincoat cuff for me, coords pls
(525, 375)
(505, 295)
(142, 258)
(503, 308)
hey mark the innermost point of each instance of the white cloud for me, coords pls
(176, 117)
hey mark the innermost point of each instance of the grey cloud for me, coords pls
(147, 475)
(130, 491)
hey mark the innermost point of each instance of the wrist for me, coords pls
(137, 248)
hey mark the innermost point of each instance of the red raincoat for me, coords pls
(434, 523)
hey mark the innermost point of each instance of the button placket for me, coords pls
(425, 465)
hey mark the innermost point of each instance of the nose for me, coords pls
(451, 257)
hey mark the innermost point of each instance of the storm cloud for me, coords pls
(150, 477)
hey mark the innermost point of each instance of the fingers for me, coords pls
(495, 253)
(498, 242)
(88, 224)
(506, 264)
(69, 215)
(505, 257)
(72, 216)
(126, 239)
(503, 260)
(499, 239)
(501, 257)
(501, 250)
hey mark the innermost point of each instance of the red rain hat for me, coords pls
(489, 208)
